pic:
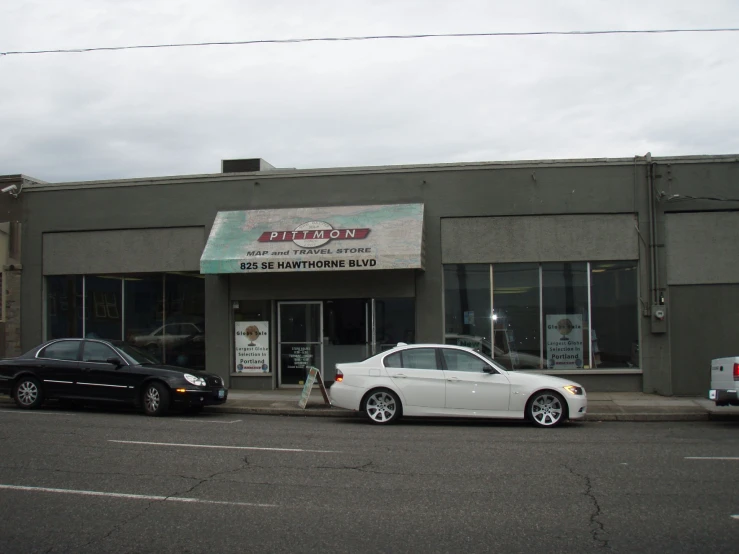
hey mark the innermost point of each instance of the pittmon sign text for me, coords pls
(315, 239)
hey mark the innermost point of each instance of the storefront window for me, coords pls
(615, 331)
(516, 316)
(565, 311)
(467, 304)
(183, 334)
(541, 313)
(63, 306)
(163, 316)
(103, 314)
(144, 310)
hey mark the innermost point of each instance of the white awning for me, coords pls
(339, 238)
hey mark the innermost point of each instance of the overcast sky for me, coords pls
(142, 113)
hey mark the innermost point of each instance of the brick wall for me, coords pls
(12, 289)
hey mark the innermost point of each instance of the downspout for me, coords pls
(653, 275)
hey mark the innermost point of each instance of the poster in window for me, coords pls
(564, 341)
(252, 347)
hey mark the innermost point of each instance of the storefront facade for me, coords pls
(584, 268)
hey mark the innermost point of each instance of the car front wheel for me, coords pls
(156, 399)
(382, 406)
(546, 409)
(28, 394)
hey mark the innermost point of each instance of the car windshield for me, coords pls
(138, 356)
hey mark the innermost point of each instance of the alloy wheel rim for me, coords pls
(27, 393)
(152, 399)
(547, 409)
(381, 407)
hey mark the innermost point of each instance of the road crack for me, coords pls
(597, 528)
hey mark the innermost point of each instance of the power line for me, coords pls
(370, 37)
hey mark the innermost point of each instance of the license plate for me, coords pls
(221, 393)
(712, 395)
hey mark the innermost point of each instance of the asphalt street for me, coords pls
(92, 481)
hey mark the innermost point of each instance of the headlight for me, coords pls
(572, 389)
(197, 381)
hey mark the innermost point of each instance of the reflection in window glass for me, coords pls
(103, 314)
(516, 316)
(184, 309)
(393, 360)
(419, 358)
(459, 360)
(62, 350)
(97, 352)
(467, 302)
(63, 306)
(615, 315)
(144, 312)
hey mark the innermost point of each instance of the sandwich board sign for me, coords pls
(313, 376)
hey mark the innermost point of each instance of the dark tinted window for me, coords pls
(393, 360)
(63, 350)
(419, 358)
(97, 352)
(459, 360)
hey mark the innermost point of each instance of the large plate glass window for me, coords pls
(615, 315)
(103, 302)
(467, 305)
(63, 306)
(516, 316)
(565, 315)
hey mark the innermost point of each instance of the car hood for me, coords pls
(179, 371)
(539, 380)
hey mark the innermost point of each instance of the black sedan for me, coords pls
(92, 370)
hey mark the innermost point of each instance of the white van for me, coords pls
(724, 381)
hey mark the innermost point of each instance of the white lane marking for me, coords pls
(227, 447)
(34, 412)
(712, 458)
(206, 421)
(135, 496)
(736, 516)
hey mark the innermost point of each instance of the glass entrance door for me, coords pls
(300, 340)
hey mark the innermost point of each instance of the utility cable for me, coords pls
(370, 37)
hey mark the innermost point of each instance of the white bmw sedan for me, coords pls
(444, 380)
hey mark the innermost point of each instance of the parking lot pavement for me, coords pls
(96, 480)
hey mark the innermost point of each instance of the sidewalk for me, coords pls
(613, 406)
(616, 406)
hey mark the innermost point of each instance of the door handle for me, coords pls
(452, 379)
(401, 375)
(86, 369)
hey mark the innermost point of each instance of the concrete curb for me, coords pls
(341, 413)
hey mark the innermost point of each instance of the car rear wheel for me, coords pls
(382, 406)
(28, 394)
(546, 409)
(156, 399)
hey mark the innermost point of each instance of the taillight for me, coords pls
(736, 372)
(340, 376)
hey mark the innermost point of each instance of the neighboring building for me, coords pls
(622, 274)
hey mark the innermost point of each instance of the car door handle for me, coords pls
(453, 379)
(86, 369)
(401, 375)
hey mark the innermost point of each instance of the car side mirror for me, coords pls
(115, 361)
(488, 369)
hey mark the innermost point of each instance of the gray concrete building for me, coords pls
(622, 274)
